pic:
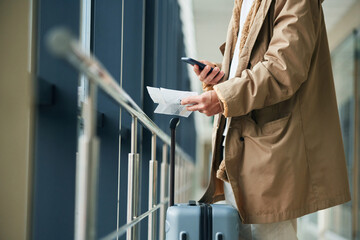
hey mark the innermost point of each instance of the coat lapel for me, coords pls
(249, 44)
(253, 34)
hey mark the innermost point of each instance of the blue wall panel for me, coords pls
(106, 46)
(55, 143)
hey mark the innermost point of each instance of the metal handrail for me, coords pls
(124, 228)
(62, 44)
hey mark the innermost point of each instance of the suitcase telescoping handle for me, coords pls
(173, 124)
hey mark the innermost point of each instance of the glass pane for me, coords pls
(339, 218)
(308, 227)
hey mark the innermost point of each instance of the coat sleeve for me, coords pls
(286, 62)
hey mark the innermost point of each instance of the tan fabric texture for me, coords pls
(284, 154)
(221, 172)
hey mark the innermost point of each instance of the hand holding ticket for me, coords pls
(169, 101)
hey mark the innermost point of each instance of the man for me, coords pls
(275, 106)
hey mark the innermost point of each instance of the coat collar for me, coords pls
(253, 34)
(250, 41)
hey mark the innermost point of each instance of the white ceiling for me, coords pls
(212, 17)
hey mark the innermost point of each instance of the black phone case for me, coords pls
(194, 62)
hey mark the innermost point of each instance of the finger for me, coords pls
(212, 75)
(197, 70)
(217, 78)
(190, 100)
(191, 108)
(197, 107)
(204, 73)
(207, 63)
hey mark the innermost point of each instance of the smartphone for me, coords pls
(194, 62)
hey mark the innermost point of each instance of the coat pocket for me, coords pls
(275, 125)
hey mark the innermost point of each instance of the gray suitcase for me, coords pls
(198, 221)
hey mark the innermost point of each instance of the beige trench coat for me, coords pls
(283, 152)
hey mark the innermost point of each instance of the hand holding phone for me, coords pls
(194, 62)
(211, 77)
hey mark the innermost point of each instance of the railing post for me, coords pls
(181, 180)
(133, 182)
(177, 180)
(184, 180)
(189, 180)
(153, 165)
(163, 191)
(87, 172)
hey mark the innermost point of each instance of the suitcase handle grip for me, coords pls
(174, 122)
